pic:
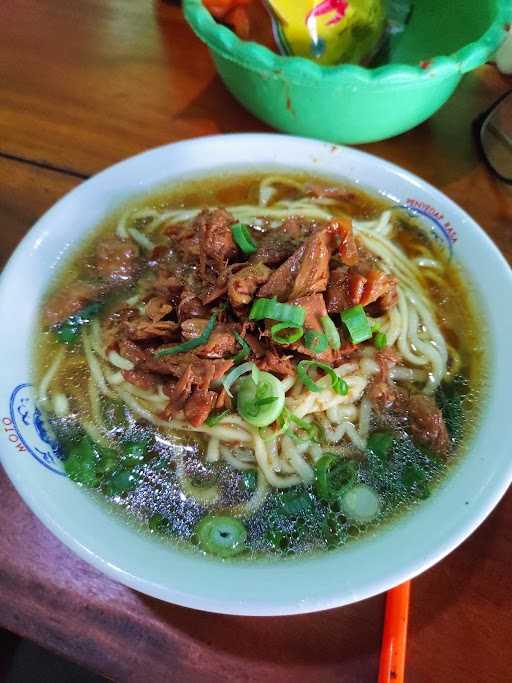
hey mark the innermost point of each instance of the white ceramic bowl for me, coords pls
(364, 568)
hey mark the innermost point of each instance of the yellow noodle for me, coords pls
(410, 327)
(94, 366)
(276, 480)
(96, 343)
(294, 455)
(213, 452)
(50, 375)
(149, 396)
(94, 402)
(232, 458)
(204, 495)
(230, 434)
(255, 501)
(119, 362)
(141, 239)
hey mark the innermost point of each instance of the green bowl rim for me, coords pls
(258, 58)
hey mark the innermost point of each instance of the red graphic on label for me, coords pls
(11, 434)
(339, 7)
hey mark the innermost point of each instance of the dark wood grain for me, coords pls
(101, 80)
(82, 85)
(26, 192)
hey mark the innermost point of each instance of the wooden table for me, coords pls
(83, 84)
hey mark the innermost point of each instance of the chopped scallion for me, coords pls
(234, 374)
(265, 401)
(246, 349)
(380, 340)
(331, 333)
(357, 324)
(191, 343)
(315, 341)
(252, 400)
(68, 331)
(338, 384)
(214, 418)
(312, 430)
(274, 310)
(221, 535)
(294, 335)
(380, 444)
(283, 424)
(243, 238)
(333, 476)
(255, 373)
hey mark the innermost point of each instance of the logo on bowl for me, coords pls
(442, 230)
(32, 430)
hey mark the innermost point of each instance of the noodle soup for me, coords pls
(260, 364)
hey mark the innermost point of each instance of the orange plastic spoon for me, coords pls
(394, 637)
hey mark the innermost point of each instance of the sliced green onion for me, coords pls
(415, 479)
(277, 539)
(341, 387)
(234, 374)
(157, 523)
(331, 333)
(192, 343)
(380, 444)
(303, 424)
(333, 531)
(313, 431)
(272, 309)
(221, 535)
(305, 378)
(357, 324)
(380, 340)
(254, 408)
(255, 373)
(283, 423)
(338, 384)
(68, 331)
(89, 312)
(315, 341)
(133, 453)
(333, 476)
(295, 503)
(265, 401)
(252, 404)
(214, 418)
(121, 482)
(108, 460)
(81, 463)
(287, 338)
(243, 238)
(361, 503)
(246, 349)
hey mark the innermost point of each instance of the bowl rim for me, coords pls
(258, 58)
(451, 537)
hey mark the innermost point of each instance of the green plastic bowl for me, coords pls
(352, 104)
